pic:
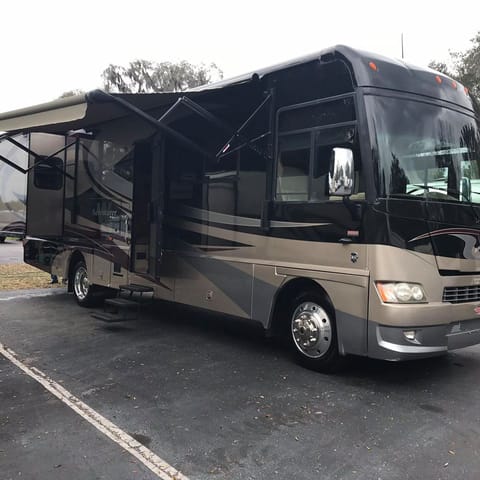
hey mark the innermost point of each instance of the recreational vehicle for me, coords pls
(331, 198)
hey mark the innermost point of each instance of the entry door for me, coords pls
(46, 186)
(148, 200)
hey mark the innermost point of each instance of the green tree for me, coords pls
(144, 76)
(465, 66)
(71, 93)
(441, 67)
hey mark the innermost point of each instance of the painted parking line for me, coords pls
(152, 461)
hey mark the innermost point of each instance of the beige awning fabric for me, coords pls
(52, 113)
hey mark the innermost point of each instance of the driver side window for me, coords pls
(294, 167)
(307, 135)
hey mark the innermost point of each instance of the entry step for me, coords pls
(121, 302)
(133, 287)
(111, 317)
(127, 305)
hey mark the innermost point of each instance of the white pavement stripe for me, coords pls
(158, 466)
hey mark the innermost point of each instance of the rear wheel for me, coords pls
(83, 290)
(2, 239)
(313, 332)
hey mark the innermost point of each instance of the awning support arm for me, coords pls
(13, 165)
(45, 159)
(41, 159)
(195, 107)
(99, 95)
(221, 155)
(22, 147)
(237, 134)
(163, 118)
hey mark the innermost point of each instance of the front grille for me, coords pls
(461, 294)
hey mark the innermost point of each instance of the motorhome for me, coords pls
(332, 199)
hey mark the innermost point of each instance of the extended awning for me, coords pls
(90, 111)
(80, 111)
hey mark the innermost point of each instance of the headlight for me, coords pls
(400, 292)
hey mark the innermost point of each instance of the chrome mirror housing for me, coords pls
(341, 175)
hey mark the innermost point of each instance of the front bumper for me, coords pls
(390, 343)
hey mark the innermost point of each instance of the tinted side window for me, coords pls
(48, 173)
(317, 115)
(104, 189)
(124, 168)
(293, 167)
(251, 184)
(220, 185)
(184, 173)
(235, 184)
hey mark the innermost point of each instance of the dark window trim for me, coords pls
(311, 160)
(314, 102)
(352, 123)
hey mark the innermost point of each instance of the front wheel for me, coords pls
(313, 333)
(2, 239)
(83, 290)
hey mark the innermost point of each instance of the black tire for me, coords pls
(312, 332)
(2, 239)
(85, 294)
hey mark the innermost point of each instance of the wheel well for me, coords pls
(74, 259)
(285, 295)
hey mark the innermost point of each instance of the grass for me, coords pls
(20, 276)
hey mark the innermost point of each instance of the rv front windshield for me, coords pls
(425, 151)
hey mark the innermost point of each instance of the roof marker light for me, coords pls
(373, 66)
(466, 90)
(438, 79)
(454, 84)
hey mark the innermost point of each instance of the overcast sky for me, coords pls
(50, 46)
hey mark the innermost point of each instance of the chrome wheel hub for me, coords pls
(81, 283)
(311, 329)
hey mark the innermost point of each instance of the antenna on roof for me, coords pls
(402, 45)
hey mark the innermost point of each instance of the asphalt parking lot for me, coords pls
(217, 400)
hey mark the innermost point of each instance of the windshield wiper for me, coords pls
(428, 188)
(441, 189)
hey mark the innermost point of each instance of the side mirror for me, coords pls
(341, 175)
